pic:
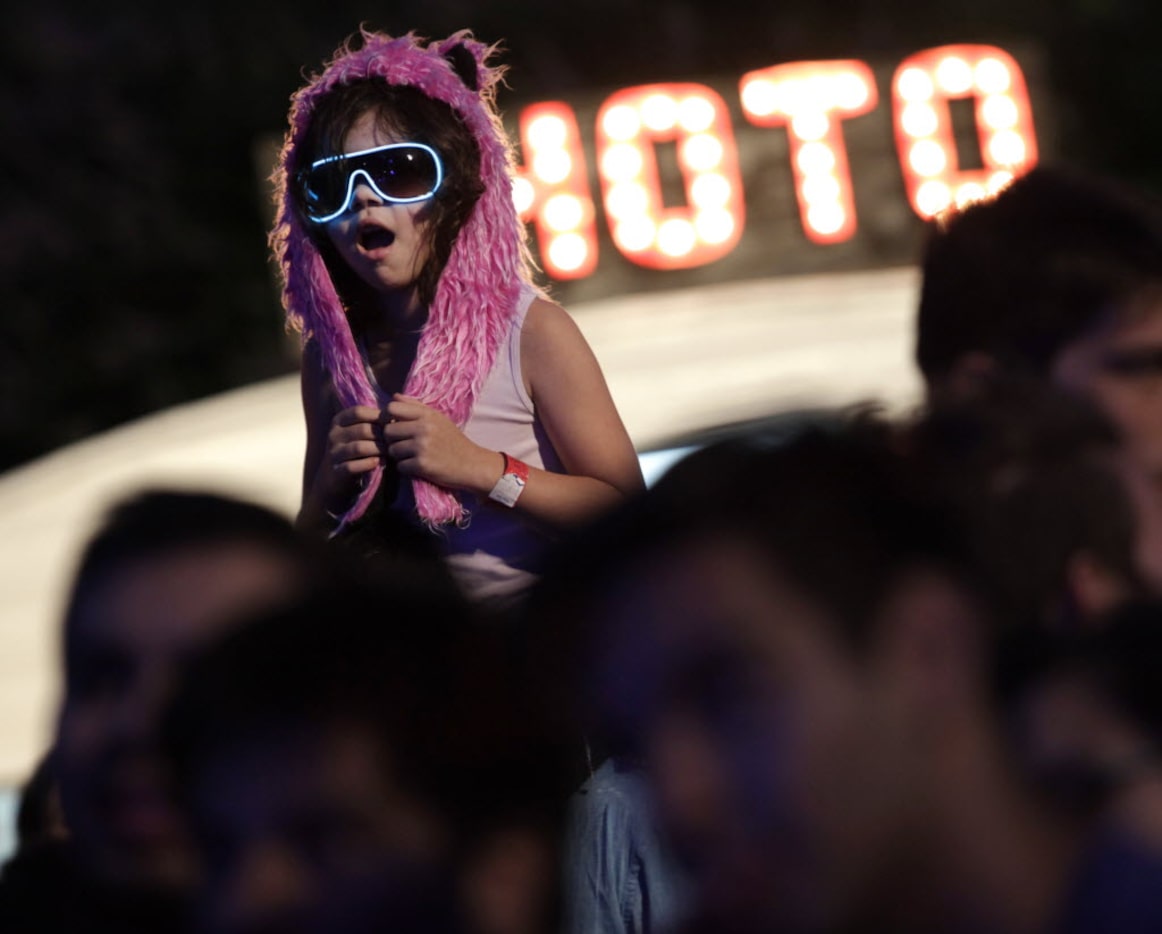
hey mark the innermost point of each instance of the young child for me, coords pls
(429, 356)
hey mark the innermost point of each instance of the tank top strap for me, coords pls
(515, 374)
(528, 294)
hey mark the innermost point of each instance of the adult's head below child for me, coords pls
(367, 759)
(166, 574)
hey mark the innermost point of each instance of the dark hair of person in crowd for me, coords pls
(826, 499)
(1017, 277)
(157, 521)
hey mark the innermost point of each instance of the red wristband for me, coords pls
(511, 483)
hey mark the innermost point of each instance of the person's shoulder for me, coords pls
(548, 321)
(550, 336)
(542, 306)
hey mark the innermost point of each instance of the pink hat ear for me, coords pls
(463, 62)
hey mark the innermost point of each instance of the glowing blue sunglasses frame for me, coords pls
(368, 179)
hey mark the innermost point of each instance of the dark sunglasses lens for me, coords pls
(408, 172)
(324, 188)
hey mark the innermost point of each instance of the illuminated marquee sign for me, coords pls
(810, 102)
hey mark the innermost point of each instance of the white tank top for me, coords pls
(498, 554)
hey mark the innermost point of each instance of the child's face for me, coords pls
(385, 244)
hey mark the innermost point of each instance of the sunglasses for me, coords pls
(399, 173)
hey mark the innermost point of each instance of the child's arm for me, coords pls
(341, 447)
(574, 406)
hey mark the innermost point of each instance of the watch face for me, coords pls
(507, 489)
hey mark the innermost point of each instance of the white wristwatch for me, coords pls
(511, 483)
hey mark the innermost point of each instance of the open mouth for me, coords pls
(375, 238)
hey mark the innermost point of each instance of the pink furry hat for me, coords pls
(475, 299)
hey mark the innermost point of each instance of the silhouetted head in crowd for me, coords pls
(1065, 530)
(1058, 277)
(164, 574)
(785, 637)
(1088, 714)
(1063, 523)
(362, 761)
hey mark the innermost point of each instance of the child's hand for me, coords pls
(426, 443)
(353, 446)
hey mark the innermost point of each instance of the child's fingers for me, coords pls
(398, 431)
(355, 450)
(357, 414)
(406, 408)
(355, 468)
(402, 451)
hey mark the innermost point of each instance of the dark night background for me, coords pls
(133, 264)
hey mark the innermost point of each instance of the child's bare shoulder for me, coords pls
(547, 322)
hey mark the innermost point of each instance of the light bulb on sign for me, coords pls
(622, 162)
(992, 76)
(676, 237)
(563, 212)
(568, 252)
(552, 166)
(635, 234)
(702, 152)
(914, 85)
(659, 112)
(932, 198)
(954, 76)
(696, 114)
(548, 132)
(621, 122)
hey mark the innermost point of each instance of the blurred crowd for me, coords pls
(844, 672)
